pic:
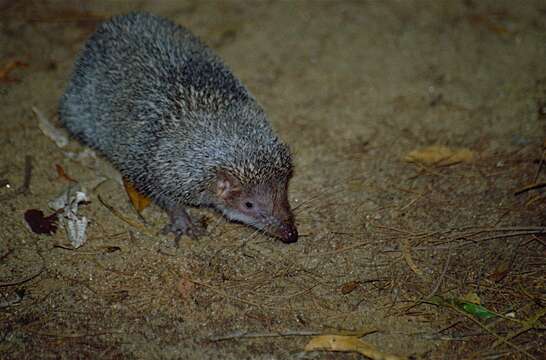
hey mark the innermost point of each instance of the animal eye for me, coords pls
(249, 205)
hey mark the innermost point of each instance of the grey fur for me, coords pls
(166, 111)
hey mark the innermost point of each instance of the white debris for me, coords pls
(82, 155)
(59, 136)
(67, 207)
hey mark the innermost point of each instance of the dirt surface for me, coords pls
(387, 246)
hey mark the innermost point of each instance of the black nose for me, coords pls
(291, 236)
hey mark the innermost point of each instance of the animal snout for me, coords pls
(288, 234)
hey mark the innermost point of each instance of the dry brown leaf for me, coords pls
(491, 22)
(62, 174)
(440, 155)
(348, 344)
(8, 68)
(500, 272)
(139, 201)
(349, 287)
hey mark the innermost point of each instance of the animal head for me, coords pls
(263, 205)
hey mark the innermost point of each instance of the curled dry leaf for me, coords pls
(348, 344)
(62, 174)
(139, 201)
(39, 223)
(439, 156)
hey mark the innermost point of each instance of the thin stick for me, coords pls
(491, 332)
(540, 165)
(125, 219)
(73, 336)
(528, 325)
(27, 278)
(530, 187)
(541, 231)
(442, 276)
(252, 335)
(25, 188)
(405, 244)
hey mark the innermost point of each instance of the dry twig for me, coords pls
(529, 324)
(287, 333)
(125, 219)
(441, 278)
(26, 278)
(407, 256)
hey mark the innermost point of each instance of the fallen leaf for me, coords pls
(348, 344)
(473, 298)
(139, 201)
(439, 156)
(39, 223)
(500, 271)
(349, 287)
(476, 310)
(9, 67)
(491, 22)
(62, 174)
(467, 306)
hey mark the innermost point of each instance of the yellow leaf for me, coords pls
(439, 156)
(348, 344)
(139, 201)
(473, 298)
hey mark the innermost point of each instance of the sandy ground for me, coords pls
(353, 87)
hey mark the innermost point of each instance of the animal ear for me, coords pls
(227, 186)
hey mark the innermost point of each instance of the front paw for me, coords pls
(183, 227)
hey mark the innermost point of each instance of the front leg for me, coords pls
(181, 224)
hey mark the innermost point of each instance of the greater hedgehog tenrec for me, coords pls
(174, 120)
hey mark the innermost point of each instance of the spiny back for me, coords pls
(166, 111)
